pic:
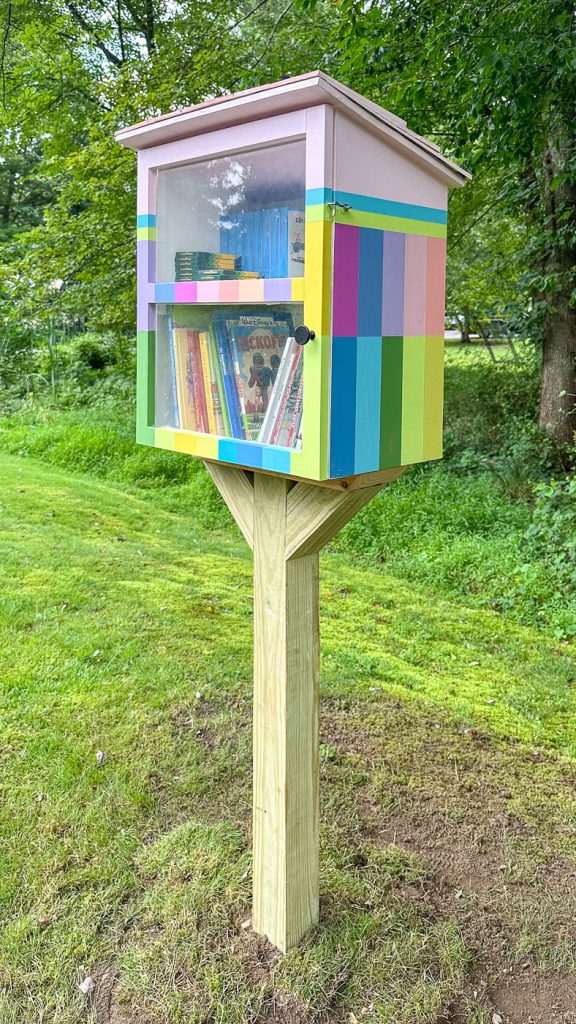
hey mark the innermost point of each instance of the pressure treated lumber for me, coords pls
(238, 493)
(286, 523)
(286, 703)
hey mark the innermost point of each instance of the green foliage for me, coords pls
(553, 528)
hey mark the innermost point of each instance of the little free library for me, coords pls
(291, 263)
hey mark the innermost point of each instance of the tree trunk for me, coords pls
(558, 391)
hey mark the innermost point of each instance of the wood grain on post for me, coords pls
(287, 524)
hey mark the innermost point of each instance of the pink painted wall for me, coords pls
(367, 165)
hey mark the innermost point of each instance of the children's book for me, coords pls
(257, 340)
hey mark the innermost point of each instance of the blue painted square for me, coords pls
(276, 459)
(146, 220)
(343, 406)
(228, 451)
(368, 388)
(165, 292)
(249, 454)
(370, 262)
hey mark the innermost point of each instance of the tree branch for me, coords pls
(92, 31)
(4, 49)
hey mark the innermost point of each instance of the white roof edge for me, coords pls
(310, 89)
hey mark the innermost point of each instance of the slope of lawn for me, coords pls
(448, 807)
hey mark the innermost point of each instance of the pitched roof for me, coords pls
(310, 89)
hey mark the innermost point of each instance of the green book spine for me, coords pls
(223, 402)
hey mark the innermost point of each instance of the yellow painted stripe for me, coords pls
(297, 289)
(207, 447)
(433, 397)
(317, 316)
(377, 220)
(413, 368)
(146, 234)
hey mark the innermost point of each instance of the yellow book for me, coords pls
(208, 390)
(184, 379)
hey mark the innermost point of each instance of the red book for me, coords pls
(198, 382)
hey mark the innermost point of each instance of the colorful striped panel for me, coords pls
(282, 289)
(383, 222)
(371, 204)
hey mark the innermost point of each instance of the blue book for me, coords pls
(173, 387)
(228, 376)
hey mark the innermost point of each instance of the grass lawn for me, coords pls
(447, 786)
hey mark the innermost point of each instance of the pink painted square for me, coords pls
(185, 291)
(208, 291)
(435, 286)
(229, 291)
(415, 285)
(251, 291)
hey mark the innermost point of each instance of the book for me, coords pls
(295, 243)
(294, 433)
(284, 371)
(269, 242)
(175, 418)
(257, 341)
(184, 380)
(230, 391)
(215, 386)
(207, 381)
(287, 401)
(238, 373)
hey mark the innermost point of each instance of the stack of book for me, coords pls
(238, 375)
(210, 266)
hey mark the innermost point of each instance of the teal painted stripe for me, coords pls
(315, 196)
(367, 433)
(370, 204)
(146, 220)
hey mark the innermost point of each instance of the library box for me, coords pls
(291, 263)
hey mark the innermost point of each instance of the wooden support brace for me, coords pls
(287, 524)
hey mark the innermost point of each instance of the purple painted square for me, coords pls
(185, 291)
(278, 290)
(146, 259)
(345, 280)
(393, 285)
(145, 311)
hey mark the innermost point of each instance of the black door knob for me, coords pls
(303, 334)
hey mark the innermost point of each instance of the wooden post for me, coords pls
(286, 704)
(286, 523)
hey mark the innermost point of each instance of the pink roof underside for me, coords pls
(307, 90)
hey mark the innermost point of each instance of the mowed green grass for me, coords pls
(128, 630)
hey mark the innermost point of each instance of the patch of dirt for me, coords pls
(286, 1009)
(107, 1007)
(534, 998)
(443, 793)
